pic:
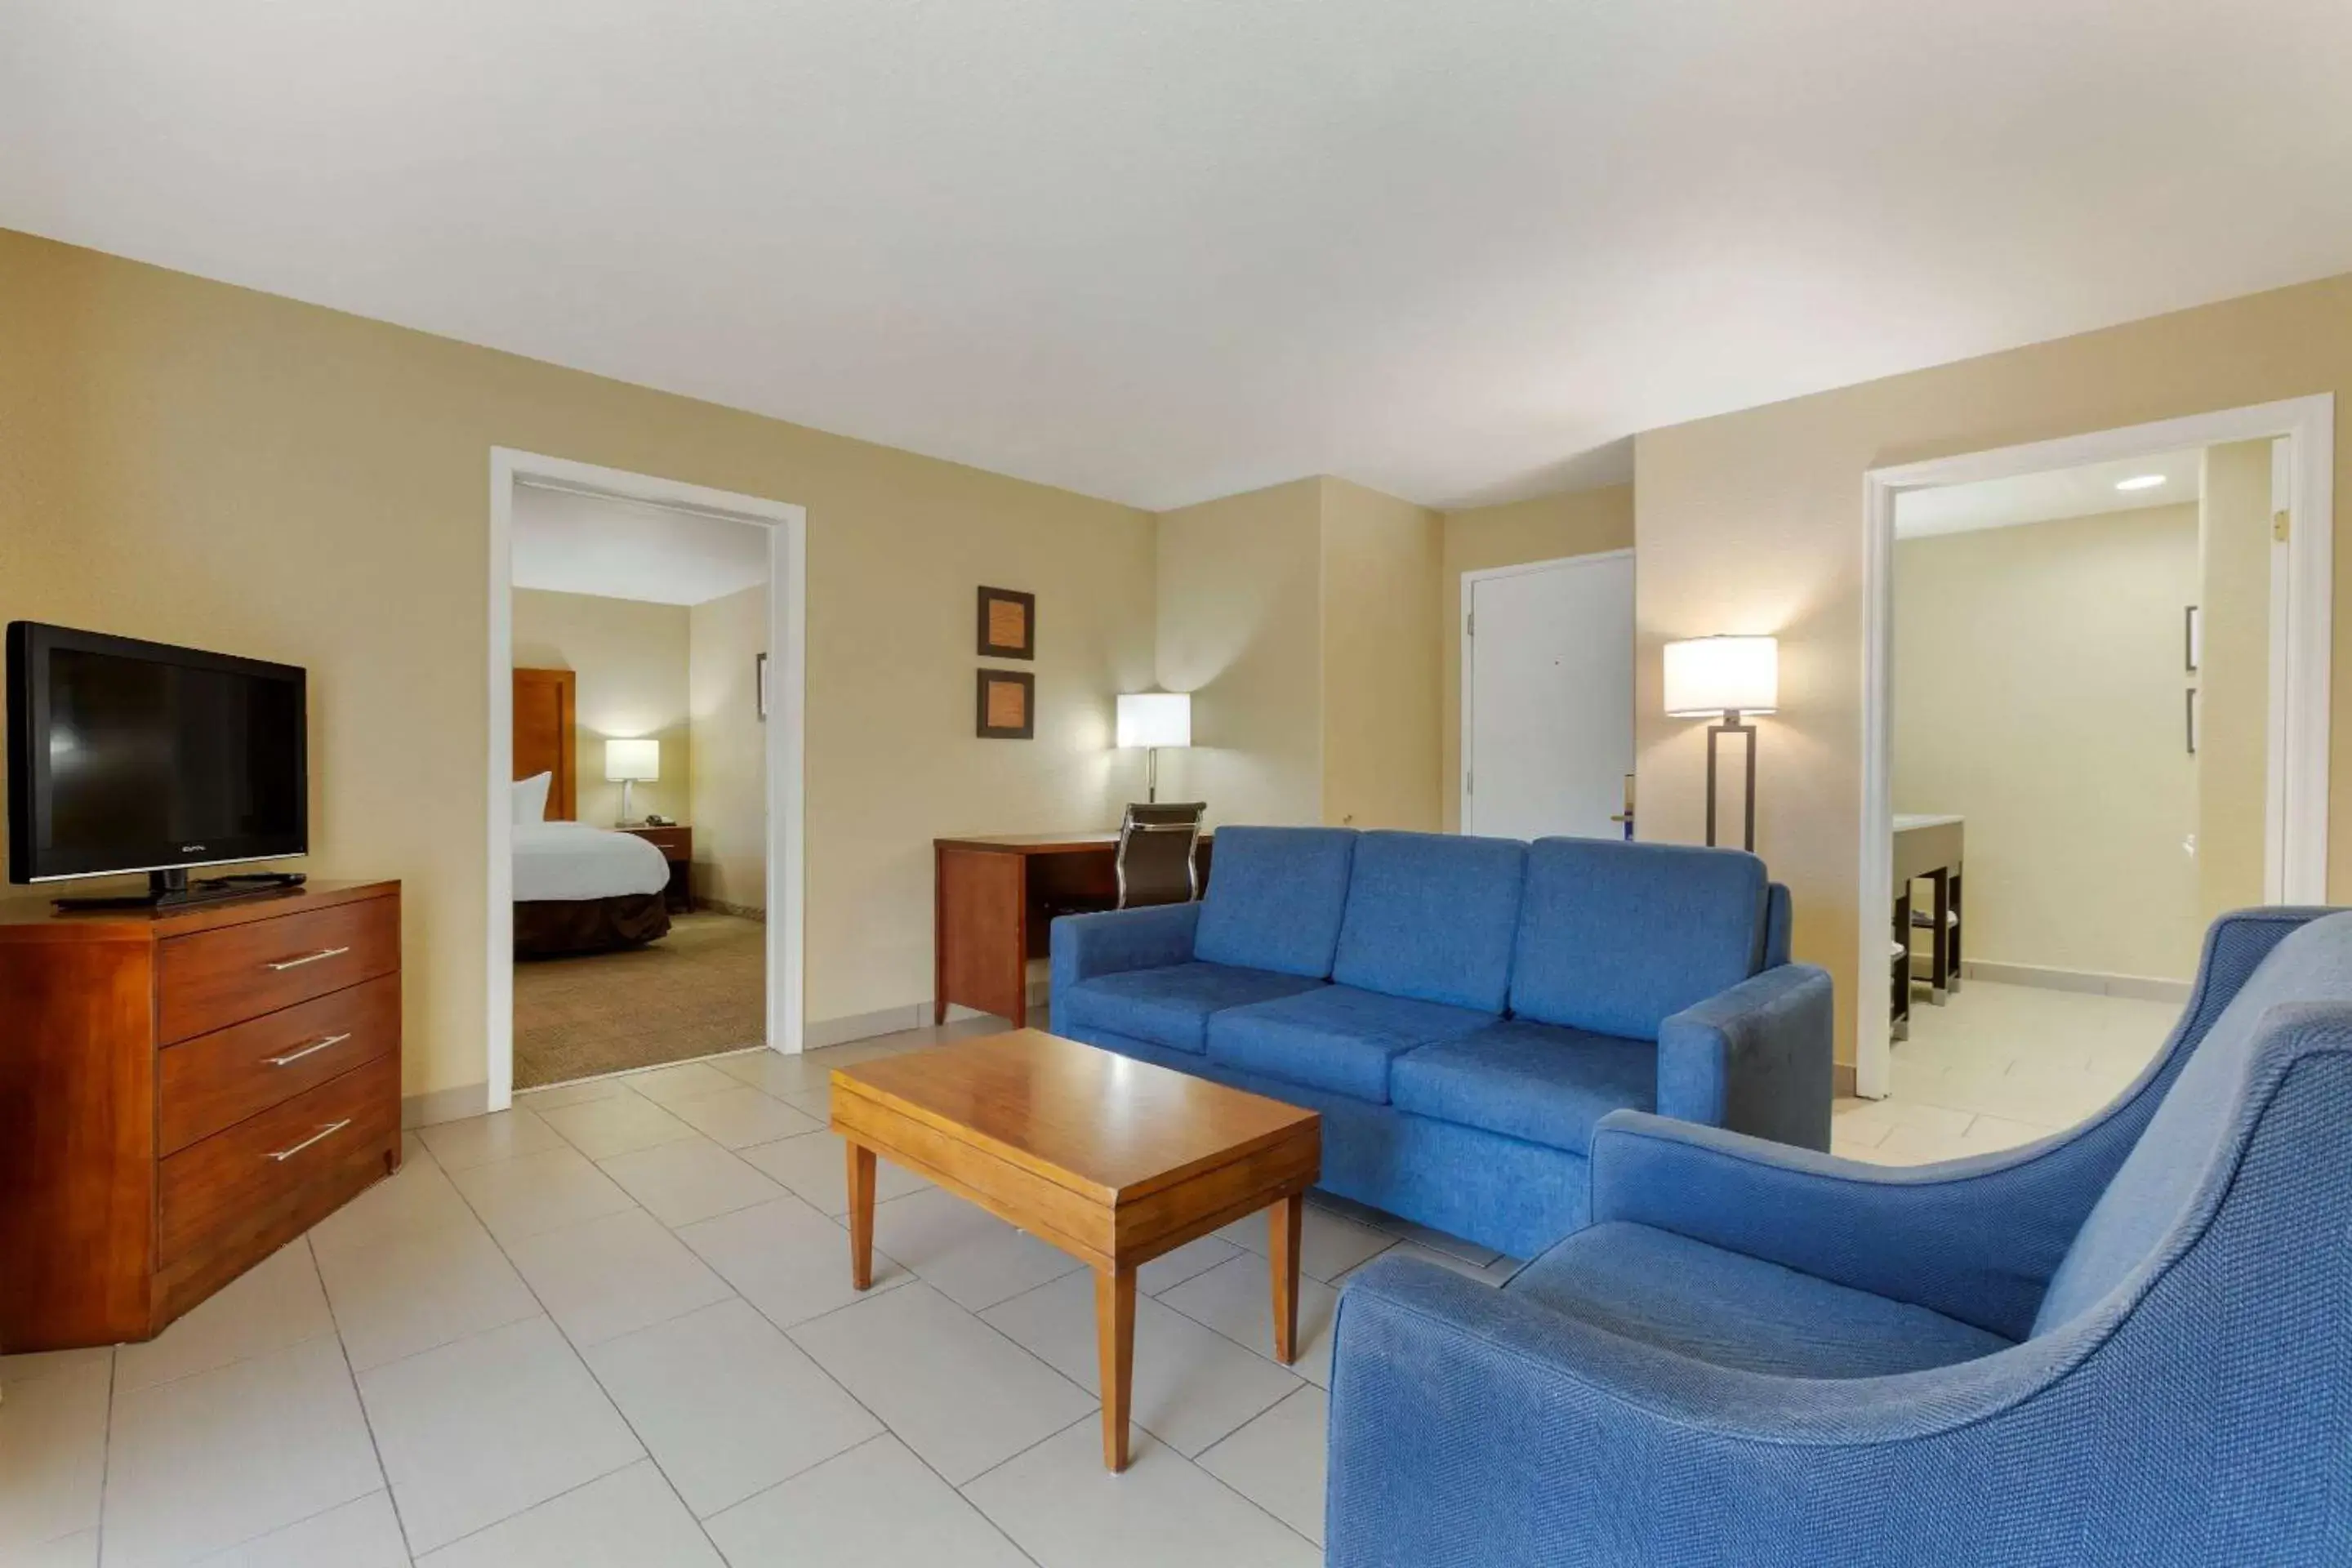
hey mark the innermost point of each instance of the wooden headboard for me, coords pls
(543, 737)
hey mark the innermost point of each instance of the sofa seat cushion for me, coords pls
(1737, 1311)
(1536, 1081)
(1334, 1038)
(1171, 1006)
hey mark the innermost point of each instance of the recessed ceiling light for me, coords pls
(2140, 482)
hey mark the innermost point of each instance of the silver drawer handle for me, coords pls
(311, 1049)
(308, 958)
(322, 1133)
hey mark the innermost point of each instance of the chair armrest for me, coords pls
(1151, 938)
(1975, 1239)
(1470, 1426)
(1757, 1057)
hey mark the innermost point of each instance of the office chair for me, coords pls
(1156, 845)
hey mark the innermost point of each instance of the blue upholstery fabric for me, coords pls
(1111, 942)
(1275, 899)
(1536, 1081)
(1432, 915)
(1171, 1005)
(2194, 1413)
(1729, 1310)
(1505, 1192)
(1616, 937)
(1780, 926)
(1975, 1239)
(2160, 1178)
(1751, 1058)
(1334, 1038)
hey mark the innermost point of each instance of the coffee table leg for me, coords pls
(1115, 1346)
(861, 1215)
(1283, 1219)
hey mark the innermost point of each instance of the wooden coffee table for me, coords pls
(1114, 1161)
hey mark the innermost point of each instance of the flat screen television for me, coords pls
(138, 756)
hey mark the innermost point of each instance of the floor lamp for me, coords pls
(1725, 678)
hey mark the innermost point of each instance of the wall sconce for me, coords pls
(1725, 677)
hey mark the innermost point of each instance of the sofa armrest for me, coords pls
(1471, 1426)
(1756, 1058)
(1149, 937)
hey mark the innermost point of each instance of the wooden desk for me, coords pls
(1929, 848)
(993, 899)
(1115, 1161)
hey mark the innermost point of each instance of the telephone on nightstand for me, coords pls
(654, 819)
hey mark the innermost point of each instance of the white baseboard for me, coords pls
(2142, 987)
(445, 1105)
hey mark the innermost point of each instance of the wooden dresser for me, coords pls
(181, 1092)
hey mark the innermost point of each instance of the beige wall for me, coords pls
(1581, 523)
(629, 662)
(1240, 627)
(2233, 676)
(1752, 522)
(729, 807)
(1381, 561)
(202, 464)
(2038, 682)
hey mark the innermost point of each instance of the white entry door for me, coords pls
(1547, 696)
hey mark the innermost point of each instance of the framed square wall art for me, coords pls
(1008, 624)
(1008, 705)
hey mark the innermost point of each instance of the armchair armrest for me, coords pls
(1975, 1239)
(1149, 937)
(1470, 1426)
(1757, 1057)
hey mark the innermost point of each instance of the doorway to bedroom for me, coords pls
(635, 779)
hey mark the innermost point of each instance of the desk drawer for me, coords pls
(217, 978)
(232, 1180)
(216, 1080)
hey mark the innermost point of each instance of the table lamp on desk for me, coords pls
(1152, 719)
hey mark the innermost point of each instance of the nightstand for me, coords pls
(677, 844)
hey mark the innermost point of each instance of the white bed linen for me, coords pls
(566, 861)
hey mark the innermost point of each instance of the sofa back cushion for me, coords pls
(2196, 1125)
(1616, 937)
(1431, 916)
(1275, 899)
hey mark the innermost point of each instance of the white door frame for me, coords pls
(2294, 834)
(1470, 580)
(787, 528)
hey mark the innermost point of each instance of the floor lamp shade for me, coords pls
(1724, 677)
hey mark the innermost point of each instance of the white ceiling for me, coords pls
(574, 543)
(2046, 496)
(1163, 250)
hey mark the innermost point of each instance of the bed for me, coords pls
(577, 888)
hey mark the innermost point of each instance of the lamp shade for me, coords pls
(1706, 676)
(632, 759)
(1155, 719)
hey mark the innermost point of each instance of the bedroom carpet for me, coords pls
(698, 991)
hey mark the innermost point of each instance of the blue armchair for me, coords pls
(2125, 1343)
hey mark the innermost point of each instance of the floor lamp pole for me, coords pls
(1714, 733)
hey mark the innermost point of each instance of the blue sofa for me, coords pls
(1463, 1011)
(2126, 1343)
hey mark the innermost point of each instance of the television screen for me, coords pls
(127, 755)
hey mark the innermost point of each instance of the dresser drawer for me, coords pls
(218, 1079)
(234, 1180)
(215, 978)
(675, 843)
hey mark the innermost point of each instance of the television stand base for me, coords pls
(172, 890)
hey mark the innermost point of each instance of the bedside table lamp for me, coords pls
(1723, 678)
(626, 762)
(1152, 719)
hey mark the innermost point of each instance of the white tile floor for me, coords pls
(614, 1325)
(1998, 1066)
